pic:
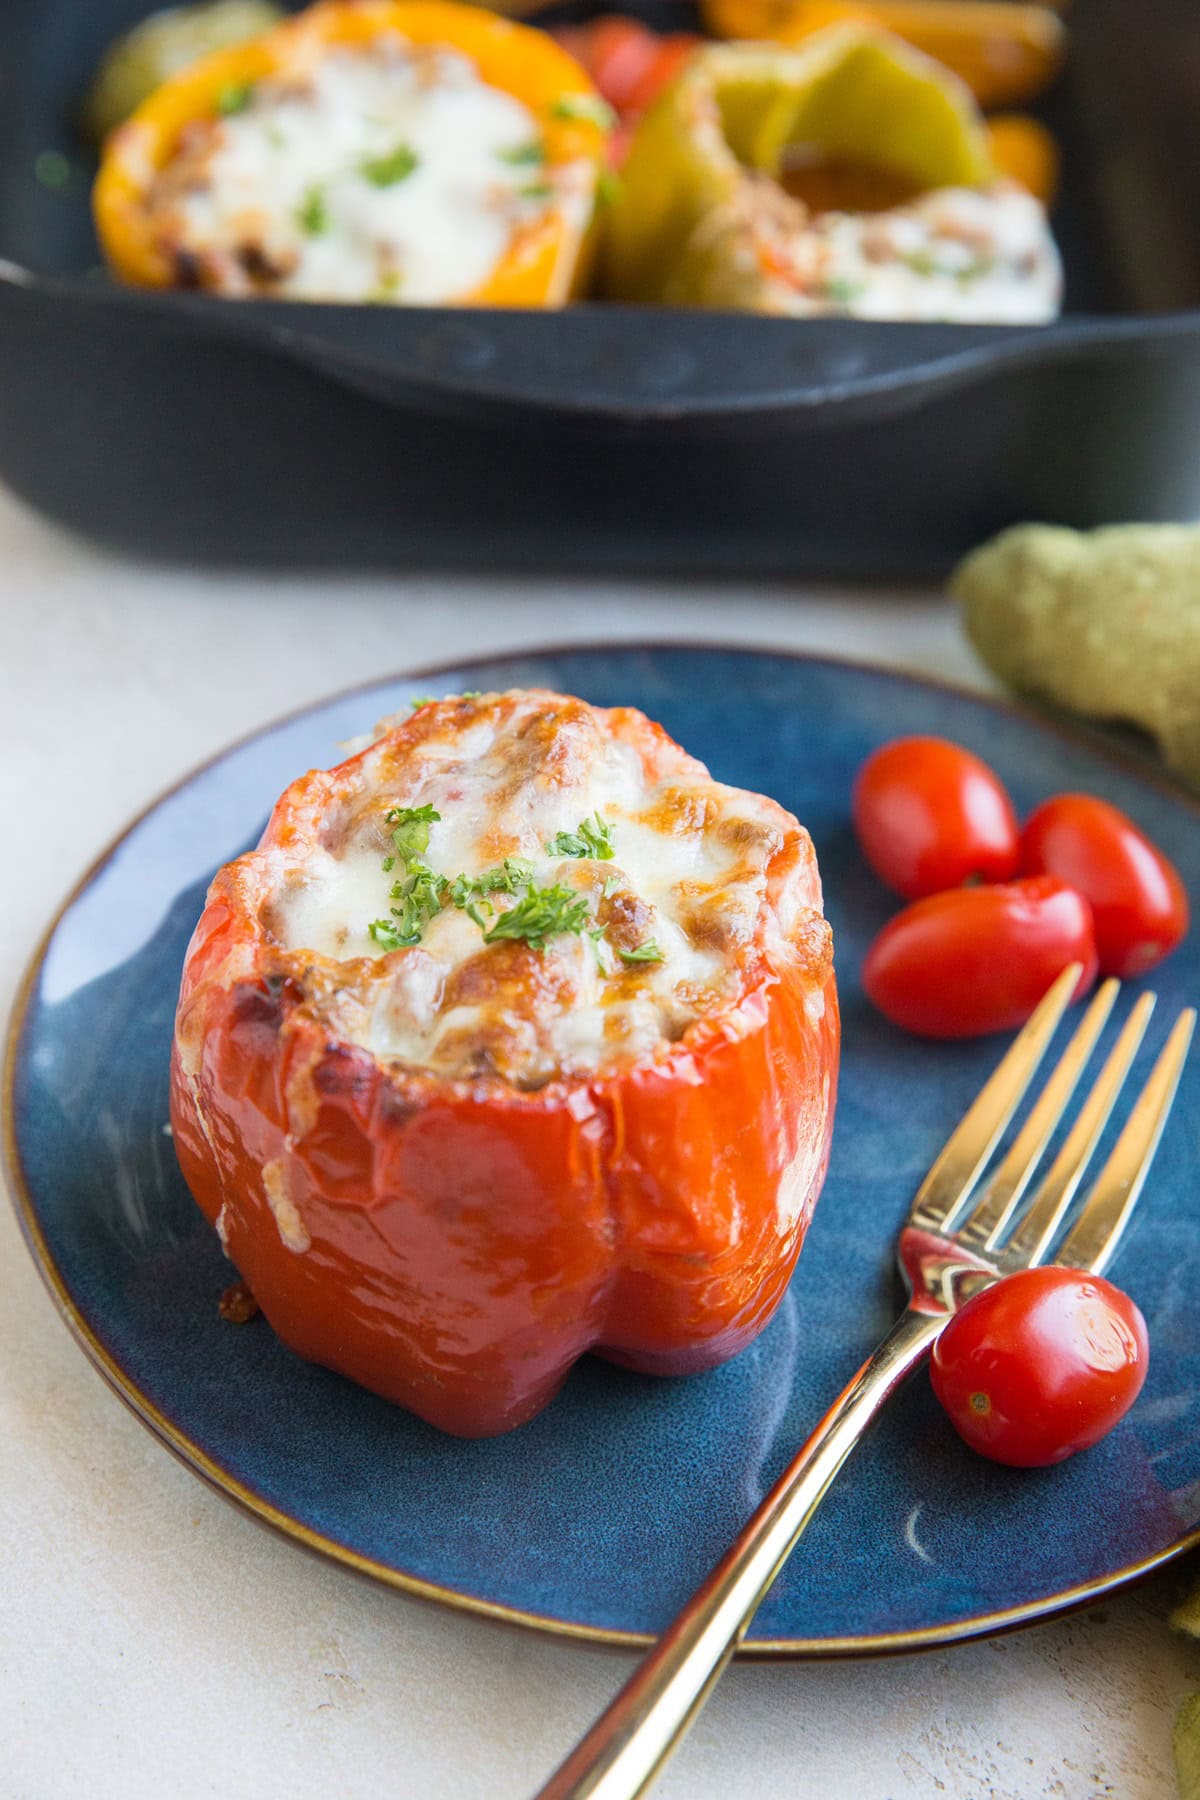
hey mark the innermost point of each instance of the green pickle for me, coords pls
(680, 232)
(159, 47)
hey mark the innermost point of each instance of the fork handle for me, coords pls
(634, 1736)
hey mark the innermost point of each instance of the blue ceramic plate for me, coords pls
(601, 1516)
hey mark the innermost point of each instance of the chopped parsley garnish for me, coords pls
(648, 952)
(386, 171)
(537, 190)
(53, 170)
(312, 215)
(925, 262)
(509, 877)
(387, 935)
(421, 700)
(410, 829)
(234, 97)
(587, 109)
(611, 884)
(839, 289)
(536, 913)
(539, 914)
(415, 900)
(522, 154)
(417, 894)
(592, 838)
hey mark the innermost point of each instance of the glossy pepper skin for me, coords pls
(544, 266)
(457, 1245)
(681, 229)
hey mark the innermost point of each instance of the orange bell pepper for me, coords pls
(544, 262)
(456, 1245)
(1025, 151)
(1005, 51)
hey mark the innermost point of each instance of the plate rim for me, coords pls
(221, 1480)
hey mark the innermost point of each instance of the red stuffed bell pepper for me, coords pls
(515, 1038)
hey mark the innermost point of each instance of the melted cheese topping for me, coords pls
(713, 877)
(391, 174)
(982, 256)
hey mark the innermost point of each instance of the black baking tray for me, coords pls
(609, 437)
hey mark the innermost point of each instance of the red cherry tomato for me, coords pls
(672, 54)
(1138, 901)
(1041, 1365)
(930, 815)
(979, 959)
(628, 63)
(622, 57)
(619, 53)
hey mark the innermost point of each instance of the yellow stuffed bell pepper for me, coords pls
(704, 216)
(397, 151)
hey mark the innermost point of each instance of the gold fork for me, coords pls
(942, 1267)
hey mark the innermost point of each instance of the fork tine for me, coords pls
(965, 1153)
(1003, 1192)
(1035, 1232)
(1093, 1241)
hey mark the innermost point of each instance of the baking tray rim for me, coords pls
(926, 358)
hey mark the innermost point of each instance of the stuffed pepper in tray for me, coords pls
(516, 1037)
(849, 175)
(410, 151)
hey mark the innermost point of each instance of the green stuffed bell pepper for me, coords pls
(703, 218)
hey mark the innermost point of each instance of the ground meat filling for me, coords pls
(527, 887)
(391, 173)
(982, 255)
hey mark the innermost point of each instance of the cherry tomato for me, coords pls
(620, 52)
(930, 815)
(1041, 1365)
(673, 52)
(615, 51)
(979, 959)
(629, 63)
(1138, 901)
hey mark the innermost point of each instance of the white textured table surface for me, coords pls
(155, 1641)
